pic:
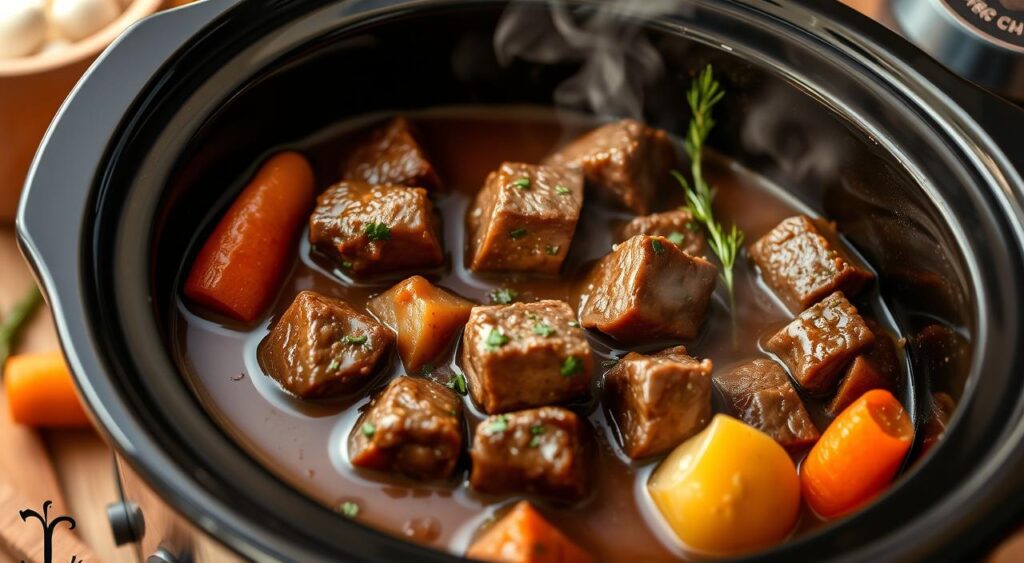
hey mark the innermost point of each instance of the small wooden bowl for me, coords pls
(31, 91)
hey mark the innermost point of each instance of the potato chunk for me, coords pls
(424, 316)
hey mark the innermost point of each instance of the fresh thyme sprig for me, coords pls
(12, 326)
(704, 93)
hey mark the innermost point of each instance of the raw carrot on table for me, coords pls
(40, 392)
(239, 268)
(858, 454)
(524, 536)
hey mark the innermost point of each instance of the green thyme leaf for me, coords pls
(503, 296)
(349, 509)
(562, 190)
(354, 340)
(522, 183)
(552, 249)
(542, 329)
(16, 321)
(346, 265)
(657, 246)
(457, 383)
(517, 233)
(497, 424)
(377, 231)
(368, 429)
(676, 238)
(571, 366)
(536, 431)
(495, 339)
(334, 365)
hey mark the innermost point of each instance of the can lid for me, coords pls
(982, 40)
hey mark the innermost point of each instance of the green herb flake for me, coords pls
(368, 429)
(354, 340)
(349, 509)
(503, 296)
(571, 366)
(334, 365)
(657, 246)
(495, 339)
(552, 249)
(426, 370)
(542, 329)
(517, 233)
(536, 431)
(676, 238)
(574, 324)
(377, 231)
(346, 265)
(457, 383)
(562, 190)
(497, 424)
(522, 183)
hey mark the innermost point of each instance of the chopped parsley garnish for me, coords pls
(536, 431)
(562, 190)
(676, 238)
(349, 509)
(334, 365)
(497, 424)
(552, 249)
(368, 429)
(377, 231)
(457, 383)
(503, 296)
(542, 329)
(522, 183)
(355, 340)
(657, 246)
(517, 233)
(496, 339)
(571, 366)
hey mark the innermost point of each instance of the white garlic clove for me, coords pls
(22, 27)
(78, 19)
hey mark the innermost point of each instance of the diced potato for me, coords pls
(730, 489)
(524, 536)
(424, 316)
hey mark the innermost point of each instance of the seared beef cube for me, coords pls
(524, 218)
(413, 427)
(646, 289)
(524, 536)
(391, 155)
(819, 343)
(659, 401)
(625, 161)
(677, 226)
(760, 394)
(424, 317)
(538, 451)
(877, 368)
(372, 229)
(803, 262)
(525, 355)
(321, 347)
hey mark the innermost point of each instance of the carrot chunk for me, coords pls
(240, 267)
(40, 392)
(524, 536)
(858, 454)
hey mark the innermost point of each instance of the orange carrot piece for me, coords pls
(40, 392)
(524, 536)
(858, 454)
(240, 267)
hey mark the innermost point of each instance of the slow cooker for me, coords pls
(920, 169)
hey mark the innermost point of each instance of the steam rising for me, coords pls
(618, 60)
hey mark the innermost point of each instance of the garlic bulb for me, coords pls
(22, 27)
(78, 19)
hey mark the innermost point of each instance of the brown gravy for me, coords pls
(305, 443)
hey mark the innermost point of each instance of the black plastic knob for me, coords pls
(126, 522)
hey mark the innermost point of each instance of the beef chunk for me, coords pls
(624, 161)
(525, 355)
(803, 261)
(524, 536)
(538, 451)
(760, 394)
(646, 289)
(676, 225)
(424, 316)
(524, 218)
(321, 347)
(373, 229)
(819, 343)
(413, 427)
(659, 401)
(391, 155)
(876, 368)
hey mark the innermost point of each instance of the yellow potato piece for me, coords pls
(730, 489)
(424, 317)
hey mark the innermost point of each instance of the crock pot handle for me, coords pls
(1000, 119)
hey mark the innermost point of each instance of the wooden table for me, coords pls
(75, 469)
